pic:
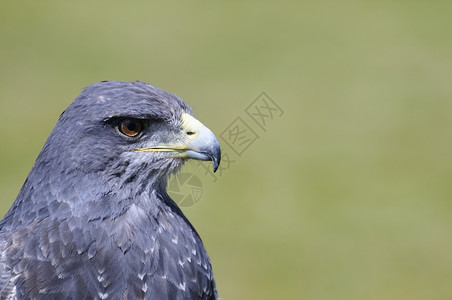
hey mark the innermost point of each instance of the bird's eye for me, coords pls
(130, 127)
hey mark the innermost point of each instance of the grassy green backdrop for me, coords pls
(346, 196)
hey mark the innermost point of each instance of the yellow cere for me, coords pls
(190, 125)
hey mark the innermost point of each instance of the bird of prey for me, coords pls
(93, 219)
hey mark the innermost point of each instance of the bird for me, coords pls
(93, 219)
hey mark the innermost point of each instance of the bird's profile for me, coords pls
(93, 219)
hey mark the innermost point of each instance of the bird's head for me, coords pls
(127, 130)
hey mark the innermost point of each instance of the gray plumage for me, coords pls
(93, 219)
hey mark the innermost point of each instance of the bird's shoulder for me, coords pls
(127, 257)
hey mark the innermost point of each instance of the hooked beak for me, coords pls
(199, 143)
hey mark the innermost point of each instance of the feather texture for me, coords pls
(93, 219)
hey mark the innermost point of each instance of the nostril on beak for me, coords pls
(190, 132)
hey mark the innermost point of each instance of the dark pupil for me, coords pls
(131, 125)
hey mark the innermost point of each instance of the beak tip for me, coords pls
(216, 157)
(215, 165)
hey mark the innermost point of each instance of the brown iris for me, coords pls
(130, 127)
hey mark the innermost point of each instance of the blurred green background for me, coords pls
(346, 196)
